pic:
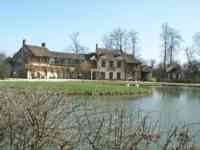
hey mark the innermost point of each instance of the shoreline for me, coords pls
(143, 83)
(79, 87)
(99, 94)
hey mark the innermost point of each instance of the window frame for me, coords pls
(103, 63)
(119, 64)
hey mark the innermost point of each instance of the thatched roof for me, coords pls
(66, 55)
(173, 67)
(108, 51)
(38, 50)
(117, 54)
(130, 59)
(146, 68)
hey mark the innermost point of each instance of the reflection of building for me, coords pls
(40, 62)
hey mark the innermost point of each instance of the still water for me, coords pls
(169, 105)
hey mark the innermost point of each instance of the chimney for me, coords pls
(96, 46)
(43, 44)
(120, 47)
(23, 43)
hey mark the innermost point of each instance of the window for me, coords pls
(57, 61)
(75, 61)
(119, 64)
(118, 76)
(111, 75)
(103, 63)
(111, 64)
(103, 75)
(62, 61)
(67, 61)
(51, 61)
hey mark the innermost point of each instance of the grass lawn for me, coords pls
(76, 86)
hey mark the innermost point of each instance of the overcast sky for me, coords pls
(51, 21)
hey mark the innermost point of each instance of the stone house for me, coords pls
(114, 64)
(38, 62)
(174, 72)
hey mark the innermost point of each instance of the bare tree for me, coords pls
(133, 37)
(165, 37)
(107, 41)
(33, 120)
(152, 63)
(175, 40)
(76, 45)
(170, 39)
(117, 39)
(195, 48)
(4, 66)
(196, 40)
(37, 119)
(121, 39)
(189, 55)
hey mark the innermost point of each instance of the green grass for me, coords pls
(75, 86)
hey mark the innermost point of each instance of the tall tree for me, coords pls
(196, 40)
(4, 67)
(133, 37)
(189, 55)
(196, 45)
(117, 39)
(76, 45)
(152, 63)
(107, 41)
(165, 43)
(175, 40)
(121, 39)
(171, 40)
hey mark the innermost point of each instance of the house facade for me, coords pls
(174, 72)
(115, 65)
(38, 62)
(41, 63)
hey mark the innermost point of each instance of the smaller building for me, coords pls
(114, 64)
(146, 73)
(174, 72)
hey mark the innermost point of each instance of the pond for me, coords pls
(169, 105)
(173, 104)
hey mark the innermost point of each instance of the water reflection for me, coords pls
(170, 104)
(169, 92)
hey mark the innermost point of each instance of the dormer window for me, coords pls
(103, 63)
(119, 64)
(111, 64)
